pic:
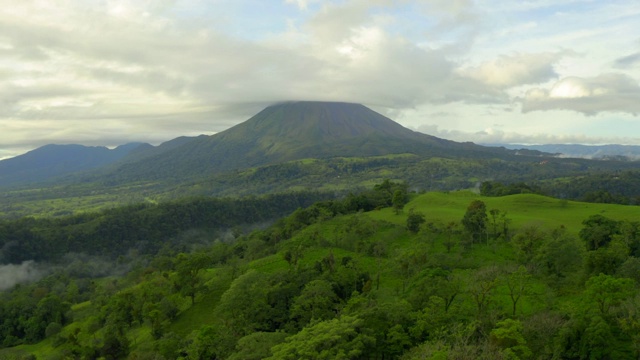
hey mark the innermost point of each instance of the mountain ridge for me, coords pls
(296, 130)
(53, 160)
(279, 133)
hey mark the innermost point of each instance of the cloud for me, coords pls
(513, 70)
(301, 4)
(627, 61)
(607, 92)
(128, 69)
(497, 136)
(11, 274)
(121, 70)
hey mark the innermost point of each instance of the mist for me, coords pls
(11, 274)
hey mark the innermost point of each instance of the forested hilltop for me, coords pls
(382, 274)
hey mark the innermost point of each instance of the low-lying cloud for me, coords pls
(496, 136)
(12, 274)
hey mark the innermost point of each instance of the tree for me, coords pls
(204, 344)
(414, 220)
(598, 231)
(316, 301)
(597, 340)
(439, 282)
(450, 230)
(527, 242)
(605, 291)
(517, 283)
(607, 259)
(398, 200)
(475, 220)
(561, 255)
(257, 345)
(115, 344)
(508, 337)
(482, 284)
(339, 339)
(499, 224)
(187, 270)
(243, 308)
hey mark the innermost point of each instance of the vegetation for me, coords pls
(448, 275)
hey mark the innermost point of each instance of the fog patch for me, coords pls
(13, 274)
(80, 265)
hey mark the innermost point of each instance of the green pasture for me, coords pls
(522, 209)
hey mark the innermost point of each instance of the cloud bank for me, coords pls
(115, 71)
(607, 92)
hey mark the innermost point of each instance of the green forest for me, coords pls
(385, 273)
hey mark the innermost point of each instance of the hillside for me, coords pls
(340, 276)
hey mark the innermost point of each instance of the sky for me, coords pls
(110, 72)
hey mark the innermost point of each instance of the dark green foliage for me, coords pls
(604, 292)
(606, 260)
(257, 346)
(482, 286)
(527, 243)
(494, 188)
(598, 231)
(475, 221)
(617, 187)
(343, 338)
(145, 228)
(188, 267)
(594, 330)
(414, 221)
(426, 299)
(507, 336)
(317, 301)
(436, 282)
(560, 256)
(115, 343)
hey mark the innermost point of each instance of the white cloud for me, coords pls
(607, 92)
(301, 4)
(513, 70)
(121, 70)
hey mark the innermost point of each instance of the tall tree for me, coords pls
(414, 220)
(475, 220)
(188, 268)
(598, 231)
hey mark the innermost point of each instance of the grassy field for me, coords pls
(523, 209)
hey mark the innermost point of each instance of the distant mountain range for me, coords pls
(631, 152)
(51, 161)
